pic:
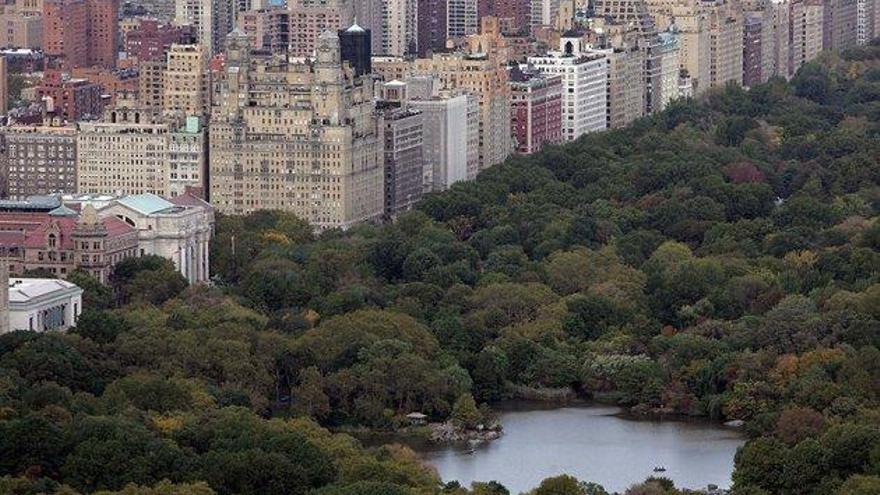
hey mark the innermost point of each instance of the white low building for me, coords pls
(42, 304)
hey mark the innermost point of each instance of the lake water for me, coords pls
(592, 443)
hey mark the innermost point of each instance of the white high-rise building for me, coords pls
(450, 138)
(584, 80)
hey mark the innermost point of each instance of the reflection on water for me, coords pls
(592, 444)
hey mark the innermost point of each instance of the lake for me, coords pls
(592, 443)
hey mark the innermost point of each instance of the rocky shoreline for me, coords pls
(447, 432)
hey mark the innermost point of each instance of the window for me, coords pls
(52, 240)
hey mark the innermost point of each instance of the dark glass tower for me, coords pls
(354, 43)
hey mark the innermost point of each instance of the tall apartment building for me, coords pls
(485, 76)
(725, 42)
(186, 81)
(310, 18)
(81, 33)
(399, 33)
(536, 110)
(461, 18)
(20, 29)
(519, 12)
(634, 70)
(806, 32)
(301, 137)
(149, 40)
(151, 77)
(585, 76)
(766, 43)
(451, 138)
(543, 14)
(211, 20)
(753, 51)
(691, 25)
(4, 86)
(404, 156)
(37, 160)
(431, 26)
(668, 53)
(268, 29)
(369, 16)
(840, 24)
(132, 151)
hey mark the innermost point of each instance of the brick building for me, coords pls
(536, 110)
(70, 99)
(149, 40)
(62, 239)
(81, 33)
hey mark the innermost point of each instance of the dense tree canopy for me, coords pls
(719, 259)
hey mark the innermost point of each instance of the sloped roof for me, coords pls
(63, 211)
(146, 204)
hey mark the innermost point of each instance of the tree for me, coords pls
(860, 485)
(798, 423)
(465, 412)
(560, 485)
(163, 488)
(309, 394)
(760, 463)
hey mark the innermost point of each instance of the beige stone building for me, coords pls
(300, 137)
(134, 151)
(186, 81)
(806, 32)
(695, 54)
(21, 29)
(725, 42)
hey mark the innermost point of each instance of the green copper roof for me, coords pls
(146, 204)
(63, 211)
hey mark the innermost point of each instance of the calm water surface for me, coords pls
(591, 443)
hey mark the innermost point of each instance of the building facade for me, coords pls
(132, 151)
(451, 138)
(42, 304)
(302, 137)
(70, 99)
(584, 82)
(20, 29)
(186, 81)
(536, 110)
(37, 160)
(404, 157)
(81, 33)
(63, 240)
(178, 229)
